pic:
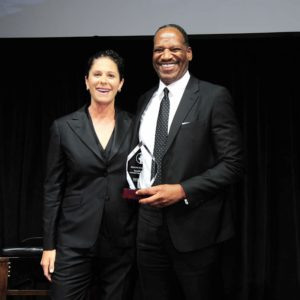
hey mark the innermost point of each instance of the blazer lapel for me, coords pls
(79, 123)
(123, 124)
(189, 97)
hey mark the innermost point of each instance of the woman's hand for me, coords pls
(47, 262)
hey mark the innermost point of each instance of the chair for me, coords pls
(20, 270)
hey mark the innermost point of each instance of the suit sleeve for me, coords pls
(227, 149)
(53, 187)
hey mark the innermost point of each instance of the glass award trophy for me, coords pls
(135, 173)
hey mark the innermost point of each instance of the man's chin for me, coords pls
(167, 78)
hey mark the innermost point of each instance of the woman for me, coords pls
(89, 230)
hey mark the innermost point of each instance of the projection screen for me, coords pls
(80, 18)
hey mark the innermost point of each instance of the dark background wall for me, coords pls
(43, 78)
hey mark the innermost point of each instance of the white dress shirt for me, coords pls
(149, 120)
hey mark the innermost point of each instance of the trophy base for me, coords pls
(130, 194)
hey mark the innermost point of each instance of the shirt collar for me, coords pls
(175, 87)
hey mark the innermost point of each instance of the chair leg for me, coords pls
(4, 261)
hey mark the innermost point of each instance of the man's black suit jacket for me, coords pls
(81, 184)
(204, 155)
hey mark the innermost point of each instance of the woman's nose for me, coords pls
(103, 79)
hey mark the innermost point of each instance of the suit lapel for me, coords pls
(80, 125)
(139, 114)
(189, 97)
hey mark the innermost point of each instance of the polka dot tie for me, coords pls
(161, 137)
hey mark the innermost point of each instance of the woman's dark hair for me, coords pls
(113, 55)
(179, 28)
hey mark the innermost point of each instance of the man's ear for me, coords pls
(189, 53)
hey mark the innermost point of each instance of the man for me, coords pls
(184, 216)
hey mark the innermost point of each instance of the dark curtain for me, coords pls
(43, 79)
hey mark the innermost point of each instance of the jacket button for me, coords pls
(106, 198)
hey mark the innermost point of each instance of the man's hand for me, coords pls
(47, 262)
(162, 195)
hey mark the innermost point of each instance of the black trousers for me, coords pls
(103, 273)
(166, 273)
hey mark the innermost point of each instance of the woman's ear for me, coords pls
(120, 85)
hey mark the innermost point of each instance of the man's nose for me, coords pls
(166, 54)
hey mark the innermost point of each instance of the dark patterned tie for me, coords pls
(161, 137)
